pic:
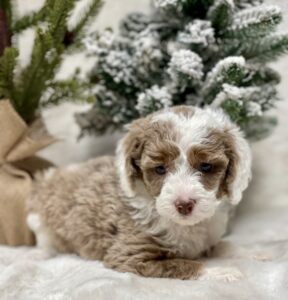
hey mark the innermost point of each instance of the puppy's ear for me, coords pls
(129, 152)
(238, 173)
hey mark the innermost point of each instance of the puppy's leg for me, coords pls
(151, 260)
(178, 268)
(175, 268)
(170, 268)
(44, 237)
(160, 268)
(147, 259)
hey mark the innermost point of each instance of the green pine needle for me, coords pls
(235, 111)
(231, 73)
(89, 15)
(7, 65)
(34, 78)
(258, 76)
(221, 14)
(29, 20)
(267, 49)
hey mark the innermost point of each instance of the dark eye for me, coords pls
(205, 167)
(160, 170)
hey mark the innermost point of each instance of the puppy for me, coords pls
(155, 207)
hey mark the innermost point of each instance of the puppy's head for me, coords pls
(185, 160)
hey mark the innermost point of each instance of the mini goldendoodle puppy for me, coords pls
(155, 207)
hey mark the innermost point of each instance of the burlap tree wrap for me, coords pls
(18, 163)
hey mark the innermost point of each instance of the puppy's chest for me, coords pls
(191, 241)
(188, 241)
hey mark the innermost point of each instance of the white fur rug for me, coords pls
(260, 226)
(24, 274)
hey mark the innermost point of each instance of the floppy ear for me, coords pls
(238, 172)
(128, 155)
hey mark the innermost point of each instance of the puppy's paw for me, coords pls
(222, 274)
(262, 257)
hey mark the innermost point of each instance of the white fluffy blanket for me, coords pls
(24, 274)
(260, 228)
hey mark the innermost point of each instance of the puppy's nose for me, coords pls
(185, 207)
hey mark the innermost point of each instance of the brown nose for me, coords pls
(185, 207)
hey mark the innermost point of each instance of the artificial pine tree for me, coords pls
(198, 52)
(34, 85)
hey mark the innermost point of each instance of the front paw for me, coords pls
(262, 257)
(222, 274)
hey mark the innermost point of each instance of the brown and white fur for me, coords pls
(125, 210)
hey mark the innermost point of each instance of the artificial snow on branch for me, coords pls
(153, 99)
(185, 68)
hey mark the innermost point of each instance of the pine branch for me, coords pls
(267, 49)
(260, 76)
(69, 90)
(33, 18)
(220, 14)
(153, 99)
(246, 107)
(29, 20)
(133, 24)
(87, 16)
(185, 69)
(242, 4)
(254, 22)
(234, 110)
(198, 35)
(245, 102)
(58, 12)
(7, 66)
(45, 59)
(230, 70)
(34, 78)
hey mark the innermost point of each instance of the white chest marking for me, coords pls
(190, 241)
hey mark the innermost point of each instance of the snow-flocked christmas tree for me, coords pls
(198, 52)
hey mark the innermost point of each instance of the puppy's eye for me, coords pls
(205, 168)
(160, 170)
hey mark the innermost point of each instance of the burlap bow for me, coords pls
(18, 144)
